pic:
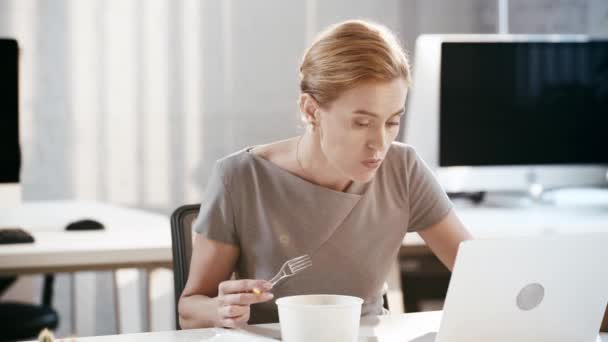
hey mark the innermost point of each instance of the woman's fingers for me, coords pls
(245, 298)
(235, 297)
(243, 285)
(233, 311)
(236, 322)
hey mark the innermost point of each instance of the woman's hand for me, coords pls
(234, 298)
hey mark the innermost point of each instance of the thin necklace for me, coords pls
(298, 154)
(298, 158)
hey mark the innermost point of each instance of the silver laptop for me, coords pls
(527, 289)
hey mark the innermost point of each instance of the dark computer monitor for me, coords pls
(510, 112)
(523, 103)
(10, 156)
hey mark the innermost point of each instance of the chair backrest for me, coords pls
(181, 242)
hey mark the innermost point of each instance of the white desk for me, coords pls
(484, 222)
(134, 238)
(131, 238)
(415, 327)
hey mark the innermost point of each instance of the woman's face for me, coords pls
(357, 129)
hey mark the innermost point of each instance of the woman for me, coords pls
(343, 192)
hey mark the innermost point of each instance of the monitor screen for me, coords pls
(523, 103)
(10, 156)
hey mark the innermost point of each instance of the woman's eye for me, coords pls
(362, 123)
(392, 124)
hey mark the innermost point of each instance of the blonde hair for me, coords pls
(347, 54)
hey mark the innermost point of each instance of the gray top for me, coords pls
(273, 215)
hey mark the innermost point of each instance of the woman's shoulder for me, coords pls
(400, 154)
(234, 165)
(277, 152)
(244, 163)
(393, 176)
(399, 162)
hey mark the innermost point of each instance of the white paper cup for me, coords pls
(319, 318)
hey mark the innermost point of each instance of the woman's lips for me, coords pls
(371, 163)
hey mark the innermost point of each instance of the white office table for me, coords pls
(135, 238)
(131, 238)
(414, 327)
(487, 222)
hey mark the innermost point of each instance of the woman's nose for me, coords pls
(377, 141)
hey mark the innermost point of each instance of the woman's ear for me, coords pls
(309, 108)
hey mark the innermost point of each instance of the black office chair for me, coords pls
(181, 242)
(24, 321)
(181, 239)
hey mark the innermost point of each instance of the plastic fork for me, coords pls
(291, 267)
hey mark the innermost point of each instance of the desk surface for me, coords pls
(131, 238)
(419, 327)
(135, 238)
(487, 222)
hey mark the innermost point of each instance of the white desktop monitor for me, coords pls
(10, 154)
(506, 112)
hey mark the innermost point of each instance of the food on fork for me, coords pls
(46, 336)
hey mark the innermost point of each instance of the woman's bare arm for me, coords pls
(209, 298)
(444, 237)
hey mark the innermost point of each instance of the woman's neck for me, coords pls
(314, 165)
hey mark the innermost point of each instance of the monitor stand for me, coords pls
(514, 199)
(535, 196)
(494, 199)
